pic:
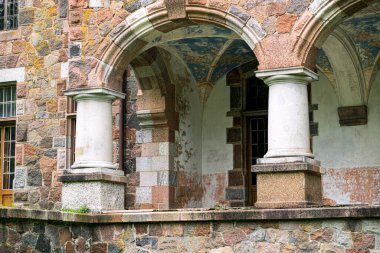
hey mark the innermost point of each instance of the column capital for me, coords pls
(98, 93)
(300, 75)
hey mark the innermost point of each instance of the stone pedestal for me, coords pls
(288, 182)
(97, 191)
(93, 179)
(287, 177)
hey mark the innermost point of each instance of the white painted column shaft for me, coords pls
(93, 147)
(288, 119)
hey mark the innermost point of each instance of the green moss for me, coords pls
(81, 209)
(12, 206)
(219, 207)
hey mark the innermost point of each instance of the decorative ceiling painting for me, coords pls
(208, 51)
(363, 29)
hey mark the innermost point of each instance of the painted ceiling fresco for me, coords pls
(364, 31)
(208, 51)
(323, 61)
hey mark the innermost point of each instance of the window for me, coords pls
(8, 14)
(71, 125)
(7, 101)
(7, 141)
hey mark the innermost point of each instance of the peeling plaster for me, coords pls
(348, 154)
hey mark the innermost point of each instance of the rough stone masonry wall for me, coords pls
(312, 236)
(40, 45)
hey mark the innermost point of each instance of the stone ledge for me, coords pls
(285, 167)
(241, 214)
(94, 90)
(287, 204)
(294, 159)
(85, 177)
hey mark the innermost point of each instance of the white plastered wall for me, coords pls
(345, 147)
(217, 155)
(350, 155)
(188, 162)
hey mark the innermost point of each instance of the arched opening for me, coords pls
(166, 64)
(176, 150)
(348, 123)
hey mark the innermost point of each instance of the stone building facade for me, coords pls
(190, 103)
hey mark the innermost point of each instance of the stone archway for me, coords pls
(317, 23)
(131, 36)
(300, 44)
(348, 41)
(144, 29)
(143, 40)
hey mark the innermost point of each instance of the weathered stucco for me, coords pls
(349, 154)
(217, 155)
(188, 163)
(345, 147)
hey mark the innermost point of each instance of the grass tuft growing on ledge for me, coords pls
(81, 209)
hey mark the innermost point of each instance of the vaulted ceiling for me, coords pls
(208, 51)
(350, 57)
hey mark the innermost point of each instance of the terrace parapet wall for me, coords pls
(320, 229)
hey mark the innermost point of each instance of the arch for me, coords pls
(131, 36)
(316, 24)
(151, 71)
(348, 80)
(374, 72)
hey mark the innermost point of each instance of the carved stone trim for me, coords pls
(94, 91)
(152, 118)
(176, 9)
(353, 115)
(234, 113)
(234, 135)
(249, 74)
(70, 178)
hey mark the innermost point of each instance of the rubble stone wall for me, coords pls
(40, 46)
(335, 235)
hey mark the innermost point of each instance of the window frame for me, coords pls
(5, 16)
(71, 117)
(3, 155)
(6, 194)
(5, 85)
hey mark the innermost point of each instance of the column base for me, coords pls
(280, 153)
(93, 164)
(288, 182)
(97, 191)
(105, 171)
